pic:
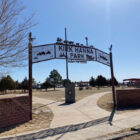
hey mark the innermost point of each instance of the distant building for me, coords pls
(82, 84)
(132, 82)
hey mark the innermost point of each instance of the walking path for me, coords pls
(87, 110)
(82, 120)
(83, 111)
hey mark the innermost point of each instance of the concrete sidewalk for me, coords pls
(80, 121)
(86, 110)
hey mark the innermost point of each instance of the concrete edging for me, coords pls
(117, 136)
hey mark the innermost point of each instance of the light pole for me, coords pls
(86, 38)
(67, 74)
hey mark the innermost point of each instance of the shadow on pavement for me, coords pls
(64, 104)
(120, 109)
(61, 130)
(112, 115)
(43, 105)
(128, 108)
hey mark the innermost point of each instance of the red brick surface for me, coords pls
(128, 98)
(14, 111)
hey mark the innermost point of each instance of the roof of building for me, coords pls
(132, 79)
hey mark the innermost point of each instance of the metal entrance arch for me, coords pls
(71, 53)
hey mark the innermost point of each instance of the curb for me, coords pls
(117, 136)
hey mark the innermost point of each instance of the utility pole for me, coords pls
(112, 76)
(86, 38)
(67, 74)
(30, 72)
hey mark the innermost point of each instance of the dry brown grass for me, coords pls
(106, 102)
(59, 94)
(42, 117)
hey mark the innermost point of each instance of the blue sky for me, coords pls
(104, 22)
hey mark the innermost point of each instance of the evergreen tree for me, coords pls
(7, 83)
(46, 84)
(115, 82)
(101, 81)
(92, 82)
(25, 84)
(18, 85)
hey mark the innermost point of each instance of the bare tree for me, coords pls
(13, 33)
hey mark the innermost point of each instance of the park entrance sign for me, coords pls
(71, 53)
(75, 53)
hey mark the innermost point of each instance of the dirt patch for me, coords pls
(42, 117)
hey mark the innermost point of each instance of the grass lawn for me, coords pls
(59, 94)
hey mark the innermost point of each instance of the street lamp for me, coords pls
(86, 38)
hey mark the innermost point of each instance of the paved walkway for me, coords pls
(83, 111)
(82, 120)
(86, 110)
